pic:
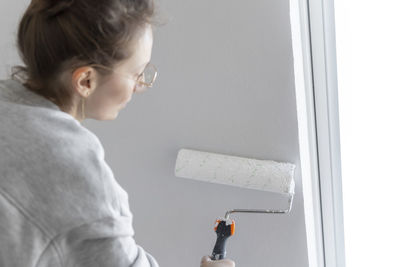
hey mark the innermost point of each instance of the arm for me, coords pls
(104, 243)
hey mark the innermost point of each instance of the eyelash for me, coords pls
(137, 77)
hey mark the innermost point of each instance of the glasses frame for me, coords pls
(138, 80)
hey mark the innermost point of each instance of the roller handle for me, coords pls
(223, 232)
(219, 251)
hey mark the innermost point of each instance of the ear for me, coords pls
(84, 80)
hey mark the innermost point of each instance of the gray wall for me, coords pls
(225, 85)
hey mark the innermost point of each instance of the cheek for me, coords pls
(119, 90)
(113, 93)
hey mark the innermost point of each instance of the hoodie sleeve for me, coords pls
(107, 242)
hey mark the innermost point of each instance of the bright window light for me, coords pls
(368, 57)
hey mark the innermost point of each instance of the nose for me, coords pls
(139, 88)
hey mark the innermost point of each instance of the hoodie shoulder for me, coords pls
(55, 168)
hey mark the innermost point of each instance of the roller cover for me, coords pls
(265, 175)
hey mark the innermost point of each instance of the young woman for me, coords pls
(59, 202)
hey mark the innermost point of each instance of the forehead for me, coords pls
(140, 47)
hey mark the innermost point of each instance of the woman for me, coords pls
(59, 202)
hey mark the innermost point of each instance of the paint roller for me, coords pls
(265, 175)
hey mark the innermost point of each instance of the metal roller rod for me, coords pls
(260, 210)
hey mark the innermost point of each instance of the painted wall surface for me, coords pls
(225, 85)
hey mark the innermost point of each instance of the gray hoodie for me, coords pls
(60, 204)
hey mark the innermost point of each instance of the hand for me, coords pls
(206, 261)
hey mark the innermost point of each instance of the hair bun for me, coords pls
(56, 7)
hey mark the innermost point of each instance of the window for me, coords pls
(368, 56)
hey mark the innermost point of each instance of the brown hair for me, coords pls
(56, 35)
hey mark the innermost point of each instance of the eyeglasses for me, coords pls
(144, 80)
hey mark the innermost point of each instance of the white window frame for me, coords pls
(314, 52)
